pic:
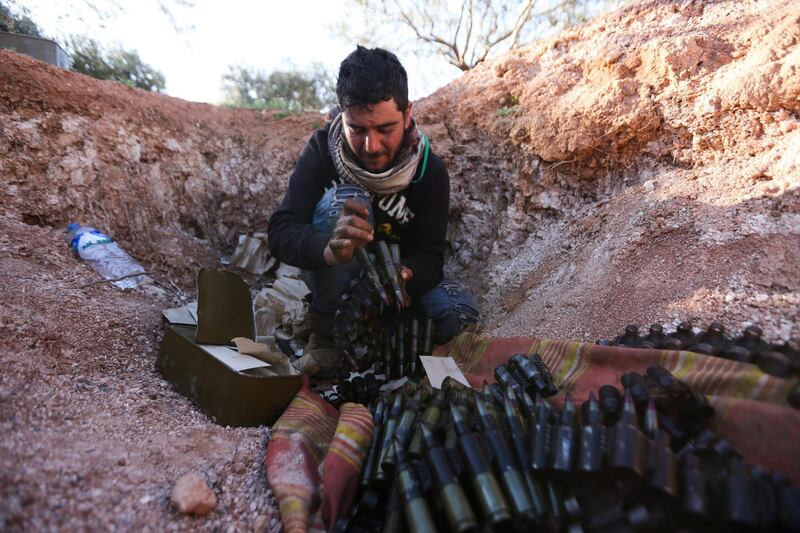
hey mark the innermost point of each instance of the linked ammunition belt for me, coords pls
(781, 361)
(371, 332)
(457, 459)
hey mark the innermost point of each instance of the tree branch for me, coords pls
(524, 17)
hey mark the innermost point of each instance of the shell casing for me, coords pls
(486, 488)
(452, 384)
(389, 428)
(413, 348)
(450, 437)
(565, 447)
(490, 496)
(517, 437)
(386, 353)
(554, 501)
(629, 446)
(541, 436)
(539, 364)
(513, 401)
(662, 475)
(372, 453)
(507, 380)
(488, 396)
(401, 433)
(413, 337)
(592, 447)
(528, 406)
(516, 490)
(413, 366)
(386, 267)
(534, 380)
(389, 271)
(634, 384)
(497, 392)
(394, 251)
(426, 392)
(460, 515)
(610, 403)
(493, 412)
(418, 516)
(510, 477)
(737, 497)
(427, 336)
(431, 416)
(373, 278)
(628, 449)
(395, 520)
(694, 491)
(400, 349)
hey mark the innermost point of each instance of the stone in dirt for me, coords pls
(191, 495)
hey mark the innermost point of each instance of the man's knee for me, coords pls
(328, 284)
(452, 308)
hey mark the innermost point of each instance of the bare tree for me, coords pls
(466, 41)
(465, 32)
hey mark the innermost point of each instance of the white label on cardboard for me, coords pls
(439, 368)
(233, 359)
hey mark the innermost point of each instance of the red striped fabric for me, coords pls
(313, 460)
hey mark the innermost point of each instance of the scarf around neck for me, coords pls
(390, 181)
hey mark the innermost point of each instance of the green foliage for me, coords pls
(507, 110)
(18, 22)
(116, 64)
(286, 90)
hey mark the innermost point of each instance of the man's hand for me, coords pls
(352, 231)
(405, 275)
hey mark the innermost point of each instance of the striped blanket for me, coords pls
(313, 460)
(315, 453)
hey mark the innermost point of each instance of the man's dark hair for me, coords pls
(371, 76)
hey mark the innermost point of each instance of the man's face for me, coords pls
(375, 133)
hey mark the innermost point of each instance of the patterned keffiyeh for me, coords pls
(390, 181)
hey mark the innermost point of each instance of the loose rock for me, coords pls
(192, 495)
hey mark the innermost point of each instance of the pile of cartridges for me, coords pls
(776, 360)
(376, 337)
(356, 318)
(399, 346)
(456, 459)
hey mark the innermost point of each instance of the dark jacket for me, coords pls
(415, 217)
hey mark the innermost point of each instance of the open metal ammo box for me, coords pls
(230, 397)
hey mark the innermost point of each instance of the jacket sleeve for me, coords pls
(428, 233)
(292, 238)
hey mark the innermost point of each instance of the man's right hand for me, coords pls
(352, 231)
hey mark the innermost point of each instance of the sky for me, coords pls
(214, 34)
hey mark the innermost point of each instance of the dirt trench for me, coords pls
(642, 167)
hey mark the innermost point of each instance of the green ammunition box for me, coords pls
(232, 398)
